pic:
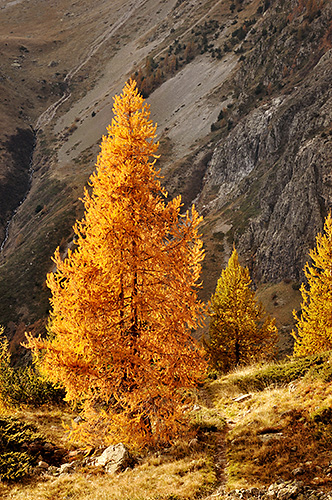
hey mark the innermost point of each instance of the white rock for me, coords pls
(114, 458)
(43, 465)
(67, 468)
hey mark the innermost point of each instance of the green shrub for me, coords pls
(323, 415)
(321, 371)
(259, 89)
(215, 126)
(26, 386)
(15, 436)
(239, 33)
(212, 374)
(23, 385)
(321, 426)
(284, 373)
(14, 465)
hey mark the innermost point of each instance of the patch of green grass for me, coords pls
(283, 373)
(208, 420)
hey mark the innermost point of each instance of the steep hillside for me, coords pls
(271, 175)
(242, 96)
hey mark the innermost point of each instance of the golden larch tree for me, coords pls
(125, 300)
(314, 327)
(240, 331)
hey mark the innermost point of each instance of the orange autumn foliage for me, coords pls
(314, 326)
(124, 301)
(240, 332)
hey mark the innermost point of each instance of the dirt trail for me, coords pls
(220, 459)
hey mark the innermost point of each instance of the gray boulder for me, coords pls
(114, 459)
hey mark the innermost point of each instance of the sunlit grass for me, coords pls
(277, 428)
(184, 470)
(159, 477)
(50, 420)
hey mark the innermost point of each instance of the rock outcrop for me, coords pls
(114, 459)
(271, 175)
(242, 97)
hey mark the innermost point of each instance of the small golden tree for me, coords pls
(240, 330)
(125, 300)
(314, 328)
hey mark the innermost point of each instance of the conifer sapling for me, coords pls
(240, 331)
(314, 327)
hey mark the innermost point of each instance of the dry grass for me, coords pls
(183, 471)
(51, 421)
(181, 479)
(276, 431)
(281, 430)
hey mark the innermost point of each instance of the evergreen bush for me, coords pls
(24, 385)
(16, 458)
(14, 465)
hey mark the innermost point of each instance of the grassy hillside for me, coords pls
(248, 429)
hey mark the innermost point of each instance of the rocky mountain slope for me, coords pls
(241, 92)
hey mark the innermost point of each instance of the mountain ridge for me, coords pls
(244, 126)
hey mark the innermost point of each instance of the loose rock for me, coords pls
(67, 468)
(114, 459)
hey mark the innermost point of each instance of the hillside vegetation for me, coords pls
(254, 427)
